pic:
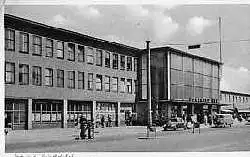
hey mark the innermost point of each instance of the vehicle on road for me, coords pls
(174, 124)
(223, 120)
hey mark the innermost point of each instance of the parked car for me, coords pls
(222, 120)
(174, 124)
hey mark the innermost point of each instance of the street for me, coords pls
(210, 139)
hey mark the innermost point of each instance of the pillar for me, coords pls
(29, 114)
(94, 113)
(65, 108)
(118, 113)
(169, 110)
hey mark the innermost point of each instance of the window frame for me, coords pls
(112, 84)
(135, 64)
(34, 45)
(107, 60)
(71, 81)
(80, 80)
(71, 52)
(98, 83)
(115, 62)
(127, 86)
(129, 63)
(90, 56)
(23, 75)
(122, 63)
(81, 57)
(49, 47)
(38, 76)
(22, 45)
(123, 90)
(107, 83)
(50, 77)
(12, 72)
(98, 55)
(7, 39)
(61, 49)
(90, 81)
(60, 78)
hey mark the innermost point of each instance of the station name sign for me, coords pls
(204, 100)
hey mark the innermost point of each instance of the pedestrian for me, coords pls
(77, 128)
(210, 119)
(83, 127)
(205, 119)
(109, 121)
(7, 125)
(102, 121)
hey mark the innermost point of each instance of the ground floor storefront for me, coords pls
(27, 113)
(172, 109)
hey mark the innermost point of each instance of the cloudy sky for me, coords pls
(162, 25)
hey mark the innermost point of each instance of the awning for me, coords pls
(227, 111)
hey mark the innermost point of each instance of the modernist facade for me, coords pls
(52, 76)
(233, 100)
(181, 84)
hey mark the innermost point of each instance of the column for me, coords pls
(192, 108)
(118, 113)
(94, 112)
(29, 114)
(169, 110)
(65, 108)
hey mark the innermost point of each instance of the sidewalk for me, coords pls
(66, 134)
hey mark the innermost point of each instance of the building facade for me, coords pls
(234, 100)
(182, 84)
(53, 76)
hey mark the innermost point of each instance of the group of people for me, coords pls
(86, 128)
(109, 122)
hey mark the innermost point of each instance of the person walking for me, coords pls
(205, 119)
(103, 121)
(109, 121)
(83, 127)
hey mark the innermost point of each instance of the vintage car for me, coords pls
(222, 120)
(174, 124)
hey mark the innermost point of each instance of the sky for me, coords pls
(162, 24)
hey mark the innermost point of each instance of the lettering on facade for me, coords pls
(204, 100)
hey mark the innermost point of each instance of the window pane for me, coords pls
(129, 63)
(99, 57)
(60, 49)
(71, 52)
(107, 83)
(81, 53)
(115, 84)
(90, 55)
(115, 61)
(122, 62)
(107, 59)
(90, 81)
(122, 85)
(98, 82)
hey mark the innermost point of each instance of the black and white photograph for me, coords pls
(166, 77)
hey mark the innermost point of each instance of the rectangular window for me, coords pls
(48, 77)
(23, 74)
(36, 75)
(9, 73)
(60, 50)
(24, 42)
(107, 83)
(135, 64)
(115, 61)
(71, 79)
(90, 55)
(129, 85)
(107, 59)
(122, 63)
(49, 47)
(60, 78)
(98, 83)
(90, 81)
(129, 63)
(71, 52)
(37, 45)
(80, 53)
(122, 85)
(80, 80)
(9, 39)
(114, 84)
(99, 57)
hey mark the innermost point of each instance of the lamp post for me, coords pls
(149, 86)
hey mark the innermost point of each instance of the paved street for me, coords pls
(210, 139)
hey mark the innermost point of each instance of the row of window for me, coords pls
(93, 56)
(110, 83)
(232, 98)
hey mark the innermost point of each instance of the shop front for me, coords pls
(76, 109)
(106, 112)
(47, 113)
(128, 114)
(16, 113)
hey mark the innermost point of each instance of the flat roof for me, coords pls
(167, 48)
(235, 93)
